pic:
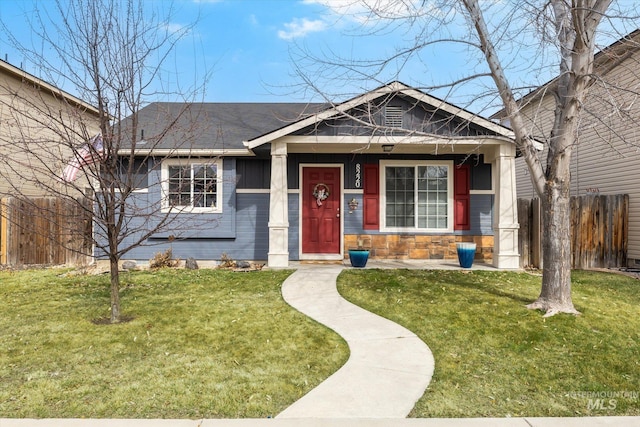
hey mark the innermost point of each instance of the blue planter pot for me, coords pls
(466, 253)
(358, 257)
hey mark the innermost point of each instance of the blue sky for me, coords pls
(252, 48)
(247, 44)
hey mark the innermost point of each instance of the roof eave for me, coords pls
(52, 90)
(394, 87)
(186, 152)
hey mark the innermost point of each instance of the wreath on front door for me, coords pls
(321, 193)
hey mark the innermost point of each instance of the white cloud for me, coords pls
(342, 7)
(174, 28)
(300, 28)
(369, 11)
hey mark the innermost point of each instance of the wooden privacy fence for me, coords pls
(599, 230)
(45, 230)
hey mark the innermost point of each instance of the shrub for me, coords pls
(163, 259)
(226, 261)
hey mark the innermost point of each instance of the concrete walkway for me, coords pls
(389, 367)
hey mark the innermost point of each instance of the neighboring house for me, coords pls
(605, 157)
(290, 182)
(35, 117)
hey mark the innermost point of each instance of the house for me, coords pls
(394, 169)
(605, 157)
(36, 118)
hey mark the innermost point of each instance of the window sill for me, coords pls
(416, 230)
(190, 210)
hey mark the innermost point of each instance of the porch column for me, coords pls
(505, 222)
(278, 255)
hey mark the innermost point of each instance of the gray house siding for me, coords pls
(294, 226)
(481, 204)
(352, 219)
(240, 230)
(481, 215)
(251, 241)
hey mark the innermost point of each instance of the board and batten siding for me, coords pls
(606, 158)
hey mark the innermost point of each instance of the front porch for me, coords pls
(399, 264)
(435, 176)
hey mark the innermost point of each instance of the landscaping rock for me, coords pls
(243, 264)
(129, 265)
(191, 264)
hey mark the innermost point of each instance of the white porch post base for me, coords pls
(278, 260)
(505, 252)
(278, 256)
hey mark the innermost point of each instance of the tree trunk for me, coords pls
(555, 294)
(115, 290)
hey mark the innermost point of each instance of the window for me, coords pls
(418, 195)
(192, 186)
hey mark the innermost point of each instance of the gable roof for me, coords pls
(238, 128)
(604, 61)
(396, 87)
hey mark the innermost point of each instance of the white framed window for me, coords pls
(190, 185)
(416, 195)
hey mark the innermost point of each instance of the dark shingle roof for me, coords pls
(213, 125)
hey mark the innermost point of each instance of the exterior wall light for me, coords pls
(387, 148)
(353, 205)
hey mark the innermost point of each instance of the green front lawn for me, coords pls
(211, 343)
(494, 358)
(202, 344)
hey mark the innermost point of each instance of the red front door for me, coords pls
(321, 210)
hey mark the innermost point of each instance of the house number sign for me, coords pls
(358, 175)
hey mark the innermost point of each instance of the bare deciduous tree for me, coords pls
(559, 37)
(112, 55)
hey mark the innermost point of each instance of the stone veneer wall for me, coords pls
(409, 246)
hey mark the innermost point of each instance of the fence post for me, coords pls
(536, 233)
(524, 235)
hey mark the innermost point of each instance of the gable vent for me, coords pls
(393, 116)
